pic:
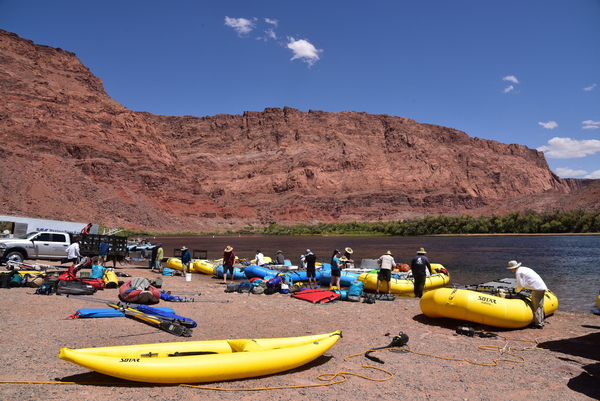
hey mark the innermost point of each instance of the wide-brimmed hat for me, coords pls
(513, 264)
(183, 248)
(279, 252)
(349, 250)
(388, 253)
(228, 249)
(343, 259)
(422, 250)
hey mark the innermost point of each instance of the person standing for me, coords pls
(153, 254)
(336, 270)
(420, 266)
(103, 249)
(387, 263)
(228, 263)
(260, 258)
(280, 259)
(160, 254)
(86, 230)
(73, 251)
(348, 255)
(311, 270)
(186, 258)
(528, 279)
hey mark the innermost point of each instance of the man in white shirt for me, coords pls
(529, 279)
(260, 258)
(385, 271)
(73, 252)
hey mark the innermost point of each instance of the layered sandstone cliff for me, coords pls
(71, 152)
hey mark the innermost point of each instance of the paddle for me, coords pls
(171, 325)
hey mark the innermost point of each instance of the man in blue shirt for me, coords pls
(103, 251)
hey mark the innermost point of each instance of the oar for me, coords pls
(166, 324)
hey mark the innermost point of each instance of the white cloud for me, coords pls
(567, 148)
(594, 175)
(242, 26)
(589, 88)
(509, 89)
(589, 124)
(303, 50)
(271, 31)
(567, 172)
(549, 124)
(511, 78)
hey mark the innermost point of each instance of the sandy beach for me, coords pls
(560, 362)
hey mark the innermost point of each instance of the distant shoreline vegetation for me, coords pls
(528, 222)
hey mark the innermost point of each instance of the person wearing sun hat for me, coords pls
(420, 266)
(186, 258)
(385, 271)
(348, 255)
(228, 263)
(528, 279)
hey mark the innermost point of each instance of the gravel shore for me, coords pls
(562, 361)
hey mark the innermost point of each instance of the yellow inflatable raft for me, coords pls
(479, 307)
(198, 266)
(202, 361)
(406, 286)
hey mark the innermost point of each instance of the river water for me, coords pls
(570, 265)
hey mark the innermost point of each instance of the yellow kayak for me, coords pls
(197, 266)
(406, 286)
(202, 361)
(479, 307)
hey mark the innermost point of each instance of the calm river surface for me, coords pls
(570, 265)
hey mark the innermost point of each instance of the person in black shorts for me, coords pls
(311, 273)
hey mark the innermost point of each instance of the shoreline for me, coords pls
(563, 365)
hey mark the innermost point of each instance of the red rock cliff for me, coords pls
(71, 152)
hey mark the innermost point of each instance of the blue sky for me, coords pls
(514, 71)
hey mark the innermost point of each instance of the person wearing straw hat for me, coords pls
(420, 266)
(385, 270)
(348, 255)
(186, 258)
(228, 263)
(528, 279)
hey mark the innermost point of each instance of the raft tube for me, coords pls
(291, 276)
(406, 286)
(346, 278)
(479, 307)
(238, 274)
(197, 266)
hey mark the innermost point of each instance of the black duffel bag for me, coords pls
(74, 287)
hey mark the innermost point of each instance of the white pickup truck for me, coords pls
(53, 246)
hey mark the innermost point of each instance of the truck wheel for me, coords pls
(15, 256)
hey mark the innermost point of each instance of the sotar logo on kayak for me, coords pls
(487, 300)
(129, 360)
